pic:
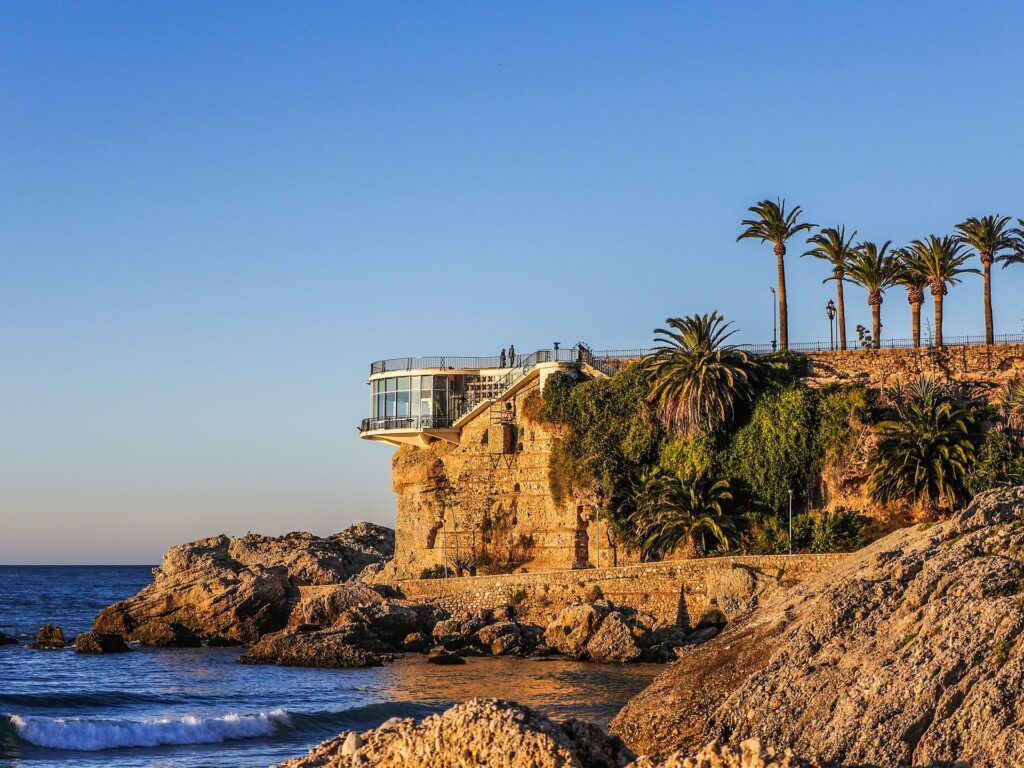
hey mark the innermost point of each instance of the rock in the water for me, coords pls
(481, 732)
(7, 639)
(100, 642)
(49, 638)
(441, 656)
(572, 629)
(613, 641)
(164, 634)
(415, 642)
(309, 646)
(910, 652)
(240, 589)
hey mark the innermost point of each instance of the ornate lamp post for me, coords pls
(830, 310)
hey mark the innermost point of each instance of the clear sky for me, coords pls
(213, 216)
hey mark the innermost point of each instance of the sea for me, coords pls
(200, 707)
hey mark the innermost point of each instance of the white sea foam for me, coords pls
(91, 735)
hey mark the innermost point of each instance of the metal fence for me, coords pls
(573, 354)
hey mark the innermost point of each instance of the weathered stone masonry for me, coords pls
(680, 592)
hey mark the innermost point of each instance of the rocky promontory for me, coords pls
(233, 591)
(501, 734)
(910, 653)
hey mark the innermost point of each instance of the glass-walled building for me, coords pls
(416, 401)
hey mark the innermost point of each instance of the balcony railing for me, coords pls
(405, 422)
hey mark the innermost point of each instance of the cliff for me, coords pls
(910, 652)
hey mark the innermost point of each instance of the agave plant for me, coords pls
(873, 269)
(832, 245)
(674, 509)
(1011, 404)
(942, 259)
(773, 225)
(696, 378)
(926, 452)
(992, 238)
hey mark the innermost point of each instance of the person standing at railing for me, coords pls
(501, 358)
(511, 355)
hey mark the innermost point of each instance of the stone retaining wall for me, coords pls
(681, 591)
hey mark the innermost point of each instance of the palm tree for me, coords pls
(942, 259)
(774, 225)
(672, 509)
(832, 245)
(910, 273)
(874, 270)
(989, 236)
(925, 452)
(696, 377)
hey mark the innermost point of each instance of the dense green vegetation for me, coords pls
(700, 449)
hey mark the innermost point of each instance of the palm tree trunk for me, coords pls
(876, 325)
(938, 319)
(989, 328)
(842, 313)
(915, 320)
(780, 253)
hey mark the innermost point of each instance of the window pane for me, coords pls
(425, 382)
(404, 383)
(389, 405)
(403, 404)
(389, 385)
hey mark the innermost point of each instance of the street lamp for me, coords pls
(830, 310)
(791, 521)
(774, 313)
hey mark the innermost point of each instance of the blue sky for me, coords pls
(213, 216)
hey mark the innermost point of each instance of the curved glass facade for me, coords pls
(398, 402)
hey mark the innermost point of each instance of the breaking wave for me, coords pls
(93, 734)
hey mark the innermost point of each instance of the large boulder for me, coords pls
(50, 637)
(481, 732)
(236, 590)
(7, 639)
(310, 646)
(100, 642)
(613, 641)
(158, 633)
(910, 652)
(572, 629)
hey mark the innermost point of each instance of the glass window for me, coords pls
(404, 383)
(389, 405)
(389, 385)
(425, 382)
(402, 404)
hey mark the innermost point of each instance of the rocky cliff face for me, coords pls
(236, 590)
(910, 652)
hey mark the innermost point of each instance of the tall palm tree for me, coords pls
(910, 273)
(942, 259)
(989, 237)
(832, 245)
(696, 377)
(925, 452)
(672, 509)
(773, 224)
(873, 269)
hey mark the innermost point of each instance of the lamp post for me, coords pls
(791, 521)
(774, 315)
(830, 310)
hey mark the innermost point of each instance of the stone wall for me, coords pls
(489, 509)
(983, 368)
(681, 591)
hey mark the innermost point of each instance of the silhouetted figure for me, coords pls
(501, 359)
(511, 355)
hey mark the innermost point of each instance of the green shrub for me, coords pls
(433, 572)
(773, 453)
(998, 464)
(838, 531)
(840, 412)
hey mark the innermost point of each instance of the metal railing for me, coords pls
(433, 421)
(572, 354)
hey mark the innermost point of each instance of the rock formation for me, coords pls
(49, 638)
(7, 639)
(489, 732)
(311, 646)
(910, 652)
(236, 590)
(602, 632)
(99, 642)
